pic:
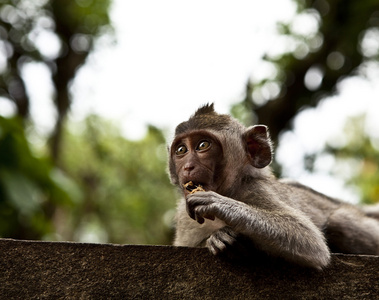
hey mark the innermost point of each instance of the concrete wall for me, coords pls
(45, 270)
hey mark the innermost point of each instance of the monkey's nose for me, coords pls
(189, 167)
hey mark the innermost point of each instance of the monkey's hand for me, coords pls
(221, 239)
(209, 205)
(229, 244)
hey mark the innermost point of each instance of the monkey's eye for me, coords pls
(181, 150)
(203, 145)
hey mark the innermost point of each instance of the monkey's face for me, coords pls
(197, 156)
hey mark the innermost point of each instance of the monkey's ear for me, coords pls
(258, 144)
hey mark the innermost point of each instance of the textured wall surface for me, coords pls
(50, 270)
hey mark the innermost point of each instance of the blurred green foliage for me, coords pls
(90, 183)
(30, 186)
(325, 43)
(69, 28)
(97, 186)
(127, 195)
(361, 152)
(109, 189)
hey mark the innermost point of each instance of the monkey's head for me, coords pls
(216, 151)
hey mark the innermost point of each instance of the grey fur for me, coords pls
(371, 210)
(282, 218)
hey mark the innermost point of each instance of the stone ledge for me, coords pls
(54, 270)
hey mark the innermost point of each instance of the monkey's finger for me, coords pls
(199, 219)
(210, 217)
(193, 214)
(194, 207)
(215, 246)
(190, 211)
(199, 198)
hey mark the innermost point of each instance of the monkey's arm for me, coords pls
(274, 227)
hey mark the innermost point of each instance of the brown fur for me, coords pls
(244, 202)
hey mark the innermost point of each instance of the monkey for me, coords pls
(241, 201)
(372, 210)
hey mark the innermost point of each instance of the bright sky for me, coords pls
(173, 56)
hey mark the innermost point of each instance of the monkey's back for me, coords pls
(315, 205)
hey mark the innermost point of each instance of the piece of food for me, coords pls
(193, 188)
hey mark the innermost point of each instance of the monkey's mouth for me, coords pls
(193, 187)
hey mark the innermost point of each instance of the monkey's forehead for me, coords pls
(213, 122)
(201, 133)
